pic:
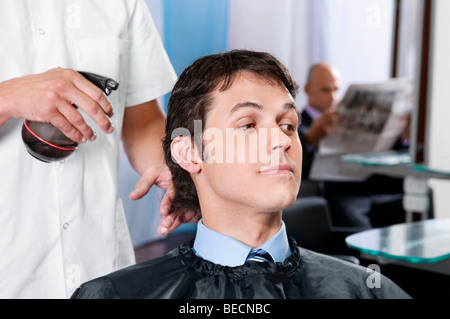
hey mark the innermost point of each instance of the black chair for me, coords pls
(308, 221)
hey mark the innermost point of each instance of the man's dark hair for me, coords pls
(191, 97)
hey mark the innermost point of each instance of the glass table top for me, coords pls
(389, 158)
(418, 242)
(396, 159)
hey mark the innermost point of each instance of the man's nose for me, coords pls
(279, 141)
(335, 97)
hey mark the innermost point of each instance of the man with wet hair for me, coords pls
(238, 171)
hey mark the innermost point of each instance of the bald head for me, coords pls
(323, 85)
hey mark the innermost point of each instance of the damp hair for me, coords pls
(191, 99)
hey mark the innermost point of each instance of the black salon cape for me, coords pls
(182, 275)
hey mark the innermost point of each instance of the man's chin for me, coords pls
(285, 202)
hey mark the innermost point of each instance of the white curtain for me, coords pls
(354, 35)
(282, 28)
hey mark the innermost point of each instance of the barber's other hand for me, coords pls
(49, 97)
(160, 176)
(171, 221)
(322, 126)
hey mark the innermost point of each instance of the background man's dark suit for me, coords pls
(375, 202)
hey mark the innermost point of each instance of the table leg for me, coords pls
(416, 199)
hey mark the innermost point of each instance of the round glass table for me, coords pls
(420, 242)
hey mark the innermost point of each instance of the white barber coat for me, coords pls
(62, 223)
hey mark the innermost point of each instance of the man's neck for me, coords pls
(249, 227)
(226, 251)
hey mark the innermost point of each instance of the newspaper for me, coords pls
(372, 117)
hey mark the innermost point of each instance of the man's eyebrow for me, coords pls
(245, 105)
(287, 106)
(293, 106)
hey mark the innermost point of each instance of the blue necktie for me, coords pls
(258, 255)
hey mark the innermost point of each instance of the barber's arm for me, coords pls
(49, 97)
(142, 134)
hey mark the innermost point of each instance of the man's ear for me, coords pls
(307, 89)
(185, 153)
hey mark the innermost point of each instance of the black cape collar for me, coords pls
(207, 268)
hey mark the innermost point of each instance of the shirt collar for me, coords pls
(226, 251)
(314, 113)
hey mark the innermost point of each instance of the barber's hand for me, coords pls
(160, 176)
(322, 126)
(49, 97)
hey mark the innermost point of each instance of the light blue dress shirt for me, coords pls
(226, 251)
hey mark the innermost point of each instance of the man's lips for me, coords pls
(278, 169)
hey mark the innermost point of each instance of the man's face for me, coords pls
(253, 152)
(323, 89)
